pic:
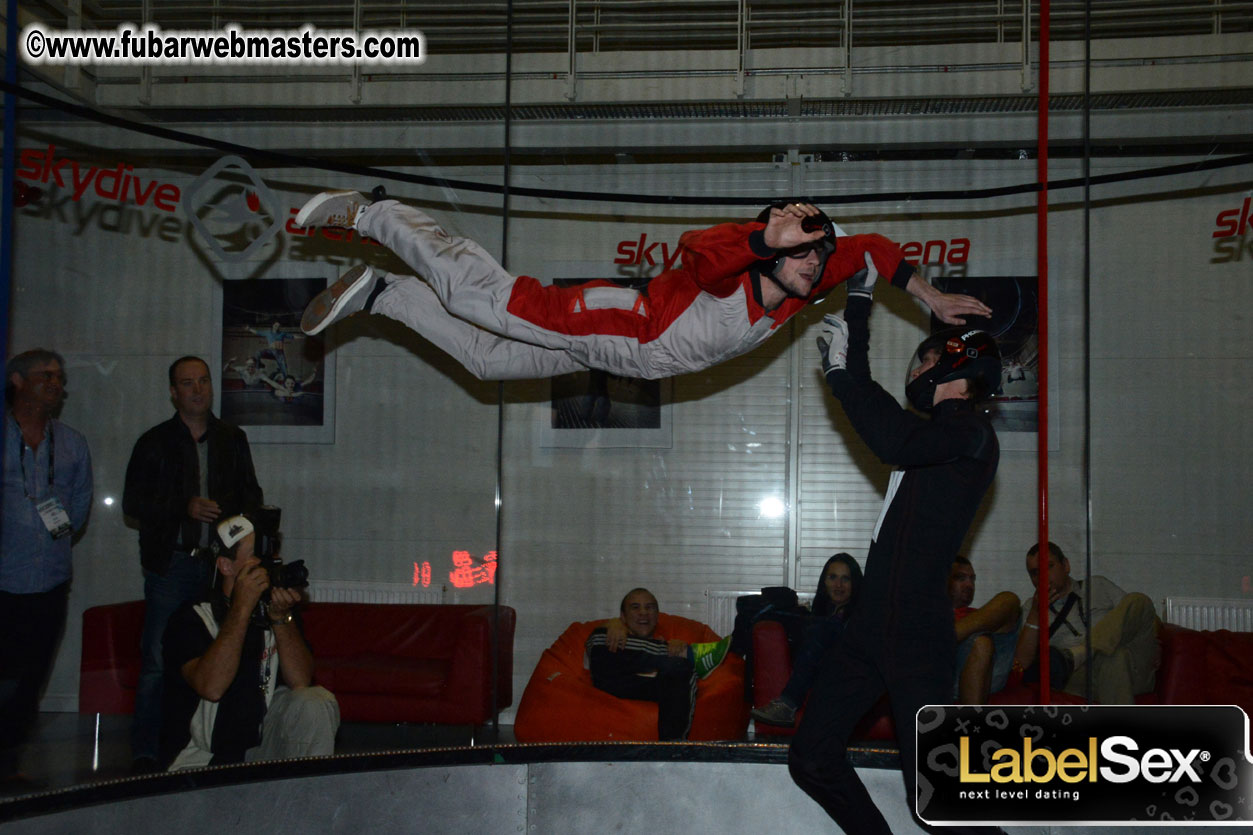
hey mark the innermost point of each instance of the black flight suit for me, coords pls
(900, 638)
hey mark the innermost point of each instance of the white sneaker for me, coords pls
(332, 208)
(345, 297)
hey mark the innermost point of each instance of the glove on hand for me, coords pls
(861, 283)
(833, 344)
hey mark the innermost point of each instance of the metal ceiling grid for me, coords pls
(634, 25)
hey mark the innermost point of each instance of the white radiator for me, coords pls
(356, 591)
(721, 614)
(1210, 613)
(721, 607)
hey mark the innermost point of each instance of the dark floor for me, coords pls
(62, 749)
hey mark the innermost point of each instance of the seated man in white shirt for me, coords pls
(1124, 654)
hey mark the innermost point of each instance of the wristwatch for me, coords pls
(287, 618)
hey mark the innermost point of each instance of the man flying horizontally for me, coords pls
(737, 284)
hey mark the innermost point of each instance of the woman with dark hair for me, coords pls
(838, 585)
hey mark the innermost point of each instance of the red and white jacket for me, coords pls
(688, 319)
(693, 317)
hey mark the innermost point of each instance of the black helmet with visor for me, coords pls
(953, 354)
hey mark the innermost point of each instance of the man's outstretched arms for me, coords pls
(947, 307)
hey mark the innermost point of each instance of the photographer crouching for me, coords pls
(238, 672)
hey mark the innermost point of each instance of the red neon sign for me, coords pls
(466, 574)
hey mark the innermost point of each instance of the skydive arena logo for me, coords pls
(1158, 764)
(233, 209)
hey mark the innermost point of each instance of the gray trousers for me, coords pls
(1125, 654)
(298, 723)
(462, 310)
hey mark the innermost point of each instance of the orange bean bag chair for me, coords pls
(560, 704)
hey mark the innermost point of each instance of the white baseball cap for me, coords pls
(233, 530)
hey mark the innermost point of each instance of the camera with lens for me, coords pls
(264, 523)
(290, 575)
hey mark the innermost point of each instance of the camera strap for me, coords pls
(1060, 618)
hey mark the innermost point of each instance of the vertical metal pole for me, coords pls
(799, 179)
(500, 387)
(73, 75)
(572, 49)
(1087, 328)
(847, 38)
(6, 191)
(741, 46)
(355, 95)
(10, 171)
(145, 72)
(1042, 268)
(1026, 45)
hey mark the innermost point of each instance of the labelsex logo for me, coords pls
(1039, 765)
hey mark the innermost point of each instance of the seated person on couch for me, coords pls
(838, 585)
(628, 659)
(986, 636)
(1123, 626)
(238, 672)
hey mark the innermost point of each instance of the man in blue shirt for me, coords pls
(47, 495)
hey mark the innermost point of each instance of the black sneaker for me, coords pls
(776, 712)
(145, 765)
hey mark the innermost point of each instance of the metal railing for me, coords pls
(642, 25)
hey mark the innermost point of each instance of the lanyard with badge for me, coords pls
(50, 510)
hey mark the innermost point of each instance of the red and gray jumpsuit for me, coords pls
(900, 640)
(688, 319)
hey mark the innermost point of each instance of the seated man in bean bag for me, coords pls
(628, 659)
(604, 681)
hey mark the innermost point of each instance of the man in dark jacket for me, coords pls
(183, 475)
(901, 638)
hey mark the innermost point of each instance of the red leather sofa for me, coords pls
(108, 671)
(1197, 668)
(384, 663)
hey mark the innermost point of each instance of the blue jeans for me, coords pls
(186, 578)
(1003, 646)
(819, 638)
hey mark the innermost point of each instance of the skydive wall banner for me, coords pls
(1065, 764)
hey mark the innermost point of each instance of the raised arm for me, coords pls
(716, 257)
(211, 674)
(274, 384)
(894, 434)
(294, 658)
(947, 307)
(849, 259)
